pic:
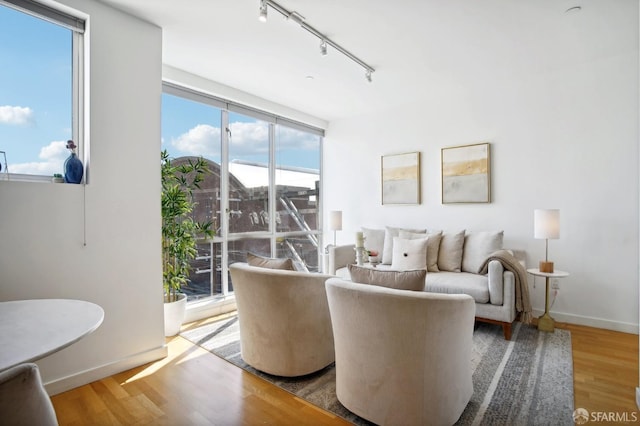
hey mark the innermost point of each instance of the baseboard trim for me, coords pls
(592, 322)
(63, 384)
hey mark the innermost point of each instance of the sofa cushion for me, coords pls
(271, 263)
(390, 232)
(343, 273)
(433, 246)
(401, 280)
(409, 254)
(374, 239)
(450, 253)
(474, 285)
(477, 248)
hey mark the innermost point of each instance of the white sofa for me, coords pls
(494, 292)
(402, 357)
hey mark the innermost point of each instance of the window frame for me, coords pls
(78, 23)
(273, 121)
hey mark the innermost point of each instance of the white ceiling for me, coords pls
(418, 47)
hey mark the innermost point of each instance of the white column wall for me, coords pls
(565, 137)
(42, 224)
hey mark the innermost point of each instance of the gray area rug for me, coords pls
(525, 381)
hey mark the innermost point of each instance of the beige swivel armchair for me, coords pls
(285, 328)
(23, 399)
(402, 357)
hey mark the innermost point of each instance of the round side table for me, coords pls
(545, 322)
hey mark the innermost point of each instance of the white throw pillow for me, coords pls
(450, 254)
(409, 254)
(373, 239)
(433, 246)
(390, 232)
(477, 247)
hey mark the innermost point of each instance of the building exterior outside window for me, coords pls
(262, 192)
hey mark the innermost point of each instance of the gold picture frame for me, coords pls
(401, 178)
(466, 174)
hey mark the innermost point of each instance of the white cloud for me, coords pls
(249, 138)
(21, 116)
(289, 138)
(246, 139)
(52, 156)
(201, 140)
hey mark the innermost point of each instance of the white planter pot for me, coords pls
(174, 315)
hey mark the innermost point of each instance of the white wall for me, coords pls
(563, 135)
(41, 224)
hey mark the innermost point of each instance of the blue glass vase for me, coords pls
(73, 169)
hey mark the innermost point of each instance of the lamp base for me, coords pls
(546, 267)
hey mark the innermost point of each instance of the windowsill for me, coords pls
(208, 308)
(16, 177)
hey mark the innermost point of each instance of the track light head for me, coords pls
(263, 11)
(367, 75)
(323, 48)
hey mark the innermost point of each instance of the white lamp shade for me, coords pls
(546, 224)
(335, 220)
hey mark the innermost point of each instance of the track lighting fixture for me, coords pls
(323, 48)
(299, 19)
(296, 17)
(263, 11)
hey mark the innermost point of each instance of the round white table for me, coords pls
(33, 329)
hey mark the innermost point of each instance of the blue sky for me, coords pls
(35, 96)
(191, 128)
(36, 109)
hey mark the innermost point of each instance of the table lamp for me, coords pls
(546, 225)
(335, 223)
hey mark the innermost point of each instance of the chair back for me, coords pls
(402, 357)
(285, 327)
(23, 399)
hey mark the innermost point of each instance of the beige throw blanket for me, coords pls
(510, 263)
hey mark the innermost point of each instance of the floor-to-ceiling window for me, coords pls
(262, 192)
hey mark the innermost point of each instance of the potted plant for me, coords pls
(57, 178)
(179, 233)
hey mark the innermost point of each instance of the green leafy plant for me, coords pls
(57, 175)
(179, 231)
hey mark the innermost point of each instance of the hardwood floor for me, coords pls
(194, 387)
(605, 369)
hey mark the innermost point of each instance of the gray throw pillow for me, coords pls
(401, 280)
(270, 263)
(477, 248)
(450, 253)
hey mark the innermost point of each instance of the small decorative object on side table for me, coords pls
(545, 322)
(373, 257)
(360, 250)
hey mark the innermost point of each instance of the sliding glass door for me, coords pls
(262, 191)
